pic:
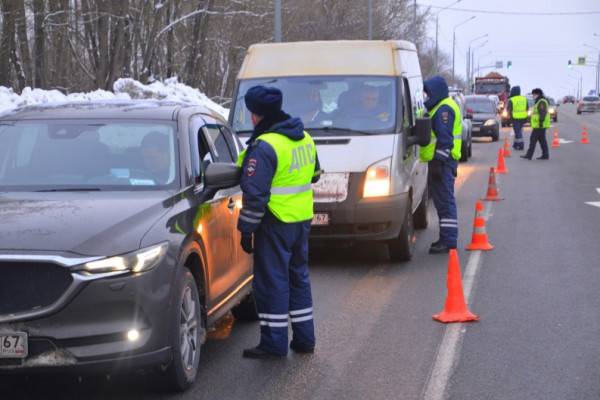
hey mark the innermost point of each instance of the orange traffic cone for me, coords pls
(555, 141)
(501, 166)
(584, 136)
(506, 148)
(455, 308)
(479, 240)
(492, 193)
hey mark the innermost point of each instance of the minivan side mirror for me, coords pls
(421, 133)
(222, 175)
(469, 113)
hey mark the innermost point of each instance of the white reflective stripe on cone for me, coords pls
(302, 319)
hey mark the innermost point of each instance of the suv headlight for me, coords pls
(138, 261)
(552, 110)
(490, 122)
(378, 179)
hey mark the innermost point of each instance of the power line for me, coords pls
(526, 13)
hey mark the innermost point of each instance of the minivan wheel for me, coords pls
(420, 218)
(496, 136)
(246, 310)
(401, 248)
(188, 331)
(464, 152)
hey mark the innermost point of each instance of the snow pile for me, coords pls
(124, 89)
(170, 89)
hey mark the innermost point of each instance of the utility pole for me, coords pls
(454, 45)
(370, 19)
(437, 29)
(277, 21)
(415, 23)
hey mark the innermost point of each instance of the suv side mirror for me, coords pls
(421, 133)
(222, 175)
(469, 113)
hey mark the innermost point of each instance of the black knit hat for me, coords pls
(263, 101)
(537, 91)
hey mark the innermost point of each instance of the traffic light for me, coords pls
(508, 64)
(570, 64)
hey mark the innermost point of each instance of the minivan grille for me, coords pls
(29, 286)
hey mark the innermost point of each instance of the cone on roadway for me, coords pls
(555, 141)
(492, 192)
(506, 148)
(479, 240)
(584, 136)
(455, 308)
(501, 165)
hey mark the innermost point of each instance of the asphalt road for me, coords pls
(537, 295)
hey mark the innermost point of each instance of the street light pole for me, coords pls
(277, 21)
(469, 69)
(454, 45)
(370, 19)
(437, 28)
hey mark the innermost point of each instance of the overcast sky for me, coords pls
(538, 46)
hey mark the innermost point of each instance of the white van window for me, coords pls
(330, 105)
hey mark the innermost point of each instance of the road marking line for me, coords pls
(449, 351)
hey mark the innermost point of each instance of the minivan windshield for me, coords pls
(481, 106)
(82, 155)
(330, 104)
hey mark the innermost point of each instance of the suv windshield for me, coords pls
(327, 104)
(87, 155)
(481, 106)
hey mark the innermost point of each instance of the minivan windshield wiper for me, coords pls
(336, 128)
(76, 189)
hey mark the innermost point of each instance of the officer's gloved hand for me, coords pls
(435, 167)
(246, 243)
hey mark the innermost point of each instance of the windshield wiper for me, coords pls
(89, 189)
(335, 128)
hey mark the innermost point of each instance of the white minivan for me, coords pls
(362, 102)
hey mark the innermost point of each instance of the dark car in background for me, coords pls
(118, 242)
(588, 104)
(484, 115)
(569, 99)
(467, 126)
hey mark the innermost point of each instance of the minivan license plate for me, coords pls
(320, 219)
(13, 345)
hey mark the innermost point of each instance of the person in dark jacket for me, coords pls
(540, 121)
(517, 108)
(443, 154)
(277, 171)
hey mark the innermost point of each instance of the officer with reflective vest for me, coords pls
(517, 109)
(442, 154)
(540, 121)
(278, 168)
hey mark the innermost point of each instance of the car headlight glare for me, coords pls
(552, 110)
(378, 179)
(137, 261)
(504, 114)
(490, 122)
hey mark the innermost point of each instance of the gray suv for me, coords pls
(118, 242)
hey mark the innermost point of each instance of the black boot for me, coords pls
(439, 248)
(301, 348)
(260, 354)
(526, 157)
(543, 158)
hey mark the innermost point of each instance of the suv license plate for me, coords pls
(320, 219)
(13, 345)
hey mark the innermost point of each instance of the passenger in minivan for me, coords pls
(368, 112)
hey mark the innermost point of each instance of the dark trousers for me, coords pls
(442, 192)
(518, 144)
(538, 135)
(282, 285)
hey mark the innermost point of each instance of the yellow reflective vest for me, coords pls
(519, 107)
(426, 153)
(535, 115)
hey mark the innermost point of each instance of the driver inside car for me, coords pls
(155, 155)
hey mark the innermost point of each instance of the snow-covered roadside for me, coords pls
(123, 89)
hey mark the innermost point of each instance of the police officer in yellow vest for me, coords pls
(277, 171)
(540, 121)
(517, 109)
(443, 153)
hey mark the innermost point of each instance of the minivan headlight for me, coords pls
(378, 179)
(490, 122)
(138, 261)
